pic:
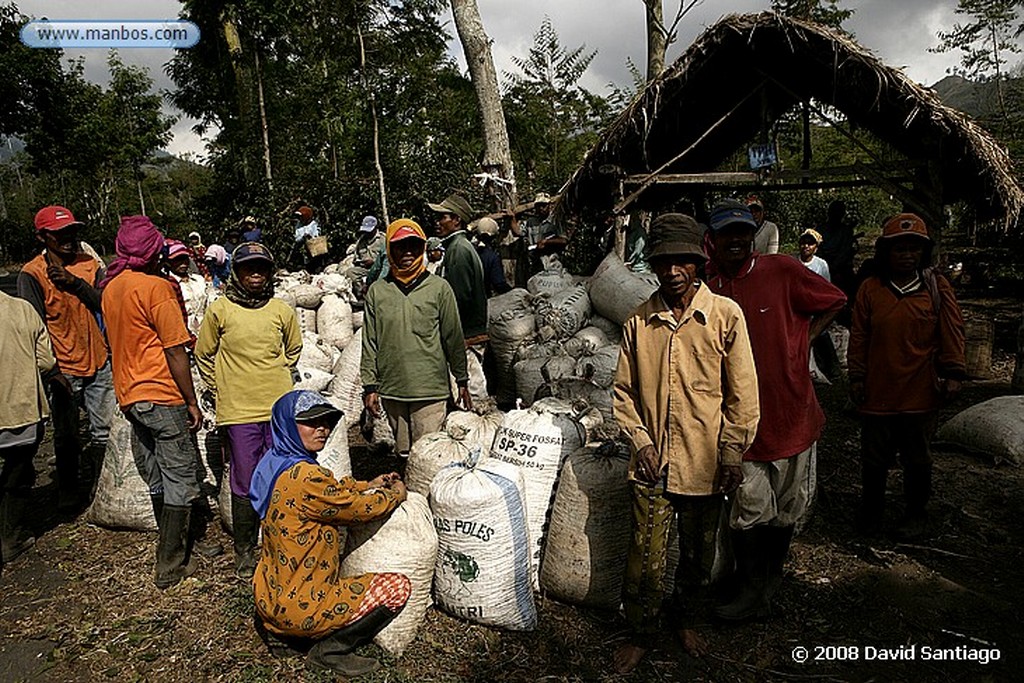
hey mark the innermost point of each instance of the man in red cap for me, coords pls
(61, 284)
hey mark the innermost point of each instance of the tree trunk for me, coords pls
(243, 85)
(476, 45)
(267, 170)
(657, 40)
(142, 200)
(376, 130)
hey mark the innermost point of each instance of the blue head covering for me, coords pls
(287, 449)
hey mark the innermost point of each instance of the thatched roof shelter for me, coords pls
(747, 71)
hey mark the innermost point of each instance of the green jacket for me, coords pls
(411, 337)
(463, 270)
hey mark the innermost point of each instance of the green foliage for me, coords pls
(85, 147)
(824, 12)
(319, 95)
(552, 120)
(986, 40)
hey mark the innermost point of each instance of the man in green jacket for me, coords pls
(464, 271)
(412, 339)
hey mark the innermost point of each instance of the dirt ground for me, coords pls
(81, 606)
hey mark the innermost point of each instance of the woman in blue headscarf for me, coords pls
(299, 590)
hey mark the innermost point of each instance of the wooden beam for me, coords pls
(775, 179)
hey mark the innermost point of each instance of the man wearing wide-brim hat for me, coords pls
(685, 394)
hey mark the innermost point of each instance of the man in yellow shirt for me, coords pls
(685, 394)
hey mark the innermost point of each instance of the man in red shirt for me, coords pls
(786, 306)
(153, 384)
(60, 284)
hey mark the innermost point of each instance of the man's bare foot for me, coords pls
(627, 657)
(692, 642)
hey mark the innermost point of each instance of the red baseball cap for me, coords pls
(55, 218)
(405, 232)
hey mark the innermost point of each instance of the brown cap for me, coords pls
(455, 204)
(905, 224)
(675, 234)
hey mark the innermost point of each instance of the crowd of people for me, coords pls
(712, 391)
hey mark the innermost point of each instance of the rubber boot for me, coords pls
(917, 489)
(244, 526)
(779, 538)
(173, 561)
(752, 563)
(198, 524)
(15, 539)
(871, 516)
(336, 652)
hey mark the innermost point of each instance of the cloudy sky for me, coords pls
(898, 31)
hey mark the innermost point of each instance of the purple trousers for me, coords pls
(246, 445)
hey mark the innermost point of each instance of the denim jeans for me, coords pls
(164, 452)
(97, 395)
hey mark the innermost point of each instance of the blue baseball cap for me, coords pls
(369, 224)
(729, 212)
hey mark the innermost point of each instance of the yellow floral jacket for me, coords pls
(297, 584)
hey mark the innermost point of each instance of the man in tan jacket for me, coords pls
(685, 395)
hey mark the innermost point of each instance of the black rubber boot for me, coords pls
(752, 562)
(779, 538)
(336, 652)
(245, 524)
(173, 561)
(90, 467)
(917, 489)
(871, 516)
(15, 538)
(198, 524)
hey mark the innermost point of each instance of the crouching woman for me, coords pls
(299, 590)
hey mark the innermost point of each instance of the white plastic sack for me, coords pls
(616, 291)
(429, 455)
(590, 528)
(993, 429)
(318, 354)
(307, 296)
(333, 283)
(537, 440)
(405, 542)
(122, 497)
(334, 321)
(473, 429)
(483, 556)
(313, 379)
(347, 387)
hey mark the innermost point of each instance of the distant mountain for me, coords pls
(977, 100)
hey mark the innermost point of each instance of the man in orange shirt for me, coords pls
(153, 384)
(60, 284)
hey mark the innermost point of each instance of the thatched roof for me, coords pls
(747, 69)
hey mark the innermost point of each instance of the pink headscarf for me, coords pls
(138, 243)
(217, 254)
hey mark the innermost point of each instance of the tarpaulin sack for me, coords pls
(616, 291)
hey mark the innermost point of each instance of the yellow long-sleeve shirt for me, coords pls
(689, 388)
(246, 356)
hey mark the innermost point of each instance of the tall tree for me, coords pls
(553, 120)
(477, 48)
(985, 41)
(661, 35)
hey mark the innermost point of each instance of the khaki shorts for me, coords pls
(409, 420)
(777, 492)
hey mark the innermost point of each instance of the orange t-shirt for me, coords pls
(77, 340)
(143, 318)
